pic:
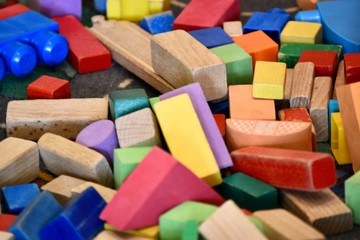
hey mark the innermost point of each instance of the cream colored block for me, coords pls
(233, 28)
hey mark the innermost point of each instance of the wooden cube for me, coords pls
(301, 32)
(47, 87)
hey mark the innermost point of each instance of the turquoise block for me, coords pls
(332, 107)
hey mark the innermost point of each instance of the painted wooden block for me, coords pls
(85, 58)
(281, 224)
(100, 6)
(113, 9)
(155, 179)
(41, 210)
(47, 87)
(6, 236)
(6, 220)
(289, 76)
(349, 98)
(306, 4)
(338, 144)
(181, 60)
(220, 120)
(238, 63)
(352, 67)
(126, 160)
(138, 129)
(158, 23)
(340, 77)
(61, 187)
(173, 221)
(101, 137)
(352, 194)
(279, 134)
(65, 157)
(79, 220)
(53, 8)
(151, 232)
(259, 45)
(303, 81)
(190, 231)
(152, 102)
(205, 118)
(308, 16)
(301, 32)
(134, 10)
(208, 14)
(326, 62)
(248, 192)
(106, 193)
(110, 235)
(182, 129)
(211, 37)
(30, 119)
(244, 106)
(220, 107)
(21, 164)
(229, 222)
(289, 169)
(322, 209)
(129, 45)
(269, 79)
(233, 28)
(157, 6)
(12, 10)
(333, 106)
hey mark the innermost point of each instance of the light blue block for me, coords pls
(308, 16)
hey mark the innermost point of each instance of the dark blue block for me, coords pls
(79, 220)
(212, 37)
(38, 213)
(16, 198)
(220, 107)
(158, 23)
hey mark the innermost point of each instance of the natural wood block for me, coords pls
(302, 86)
(106, 193)
(326, 62)
(229, 222)
(181, 60)
(244, 106)
(63, 156)
(281, 224)
(322, 209)
(19, 161)
(301, 32)
(130, 47)
(269, 78)
(340, 78)
(279, 134)
(47, 87)
(6, 236)
(182, 130)
(6, 220)
(352, 67)
(30, 119)
(233, 28)
(338, 144)
(288, 82)
(352, 194)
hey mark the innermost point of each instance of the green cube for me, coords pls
(352, 195)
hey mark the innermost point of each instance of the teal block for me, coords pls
(352, 196)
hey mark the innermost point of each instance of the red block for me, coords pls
(200, 14)
(294, 114)
(289, 169)
(47, 87)
(12, 10)
(221, 123)
(86, 53)
(352, 67)
(6, 220)
(326, 62)
(156, 185)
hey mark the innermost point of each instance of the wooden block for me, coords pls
(12, 10)
(30, 119)
(173, 221)
(147, 232)
(301, 32)
(229, 222)
(100, 6)
(306, 4)
(259, 46)
(211, 37)
(106, 193)
(302, 86)
(53, 8)
(326, 62)
(352, 199)
(110, 235)
(6, 236)
(113, 9)
(130, 47)
(233, 28)
(338, 144)
(340, 78)
(62, 156)
(352, 67)
(182, 130)
(288, 82)
(322, 209)
(85, 58)
(134, 10)
(227, 10)
(190, 231)
(281, 224)
(269, 79)
(220, 120)
(61, 187)
(6, 220)
(155, 179)
(21, 164)
(158, 23)
(138, 129)
(289, 169)
(47, 87)
(244, 106)
(279, 134)
(181, 60)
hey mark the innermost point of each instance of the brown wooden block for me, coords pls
(106, 193)
(233, 28)
(302, 85)
(30, 119)
(288, 83)
(340, 77)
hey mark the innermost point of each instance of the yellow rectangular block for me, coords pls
(301, 32)
(338, 141)
(132, 10)
(113, 9)
(148, 232)
(186, 139)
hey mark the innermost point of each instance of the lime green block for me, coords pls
(190, 231)
(172, 223)
(153, 100)
(125, 161)
(258, 224)
(352, 195)
(238, 63)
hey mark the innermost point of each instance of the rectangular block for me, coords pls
(302, 86)
(352, 67)
(211, 37)
(106, 193)
(6, 236)
(326, 62)
(288, 83)
(338, 144)
(301, 32)
(12, 10)
(6, 220)
(53, 8)
(47, 87)
(340, 78)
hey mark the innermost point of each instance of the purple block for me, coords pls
(56, 8)
(101, 137)
(207, 121)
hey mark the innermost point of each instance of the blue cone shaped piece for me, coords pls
(2, 69)
(308, 16)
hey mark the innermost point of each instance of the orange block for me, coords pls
(47, 87)
(220, 122)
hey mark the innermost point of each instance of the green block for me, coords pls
(125, 161)
(258, 224)
(172, 222)
(238, 63)
(190, 231)
(289, 53)
(248, 192)
(153, 100)
(352, 195)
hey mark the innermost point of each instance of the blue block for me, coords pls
(212, 37)
(308, 16)
(41, 210)
(79, 220)
(220, 107)
(100, 5)
(158, 23)
(15, 198)
(333, 107)
(2, 69)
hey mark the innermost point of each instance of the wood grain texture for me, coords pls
(30, 119)
(340, 77)
(63, 156)
(233, 28)
(301, 89)
(106, 193)
(288, 82)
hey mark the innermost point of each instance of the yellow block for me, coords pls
(148, 232)
(134, 10)
(186, 139)
(269, 80)
(338, 140)
(301, 32)
(156, 6)
(113, 9)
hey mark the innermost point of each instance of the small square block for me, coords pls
(352, 196)
(326, 62)
(352, 67)
(211, 37)
(301, 32)
(47, 87)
